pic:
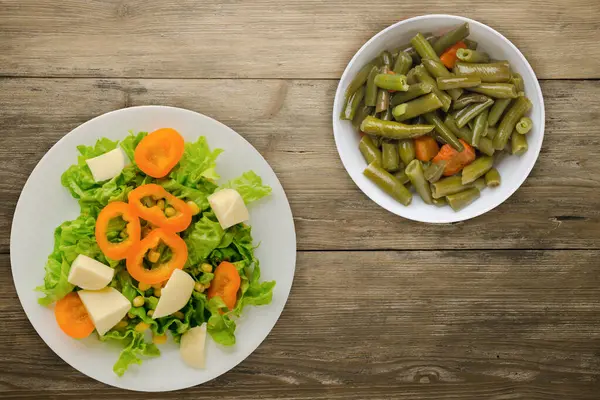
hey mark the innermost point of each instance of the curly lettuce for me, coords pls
(193, 179)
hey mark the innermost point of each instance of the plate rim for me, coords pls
(109, 114)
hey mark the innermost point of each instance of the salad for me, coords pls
(158, 247)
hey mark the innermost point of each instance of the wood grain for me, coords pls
(289, 122)
(381, 325)
(265, 39)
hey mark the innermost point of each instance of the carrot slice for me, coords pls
(225, 284)
(455, 161)
(72, 317)
(426, 148)
(448, 57)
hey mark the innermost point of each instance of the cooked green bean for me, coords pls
(371, 89)
(487, 72)
(402, 64)
(497, 110)
(472, 56)
(518, 144)
(516, 111)
(496, 90)
(479, 184)
(369, 150)
(383, 96)
(362, 113)
(479, 127)
(492, 178)
(411, 79)
(359, 80)
(447, 186)
(423, 76)
(439, 202)
(471, 123)
(524, 125)
(418, 106)
(406, 150)
(442, 130)
(457, 82)
(468, 98)
(377, 140)
(388, 183)
(401, 176)
(471, 44)
(437, 70)
(434, 171)
(390, 160)
(486, 146)
(462, 199)
(414, 91)
(476, 169)
(430, 37)
(386, 115)
(386, 58)
(353, 102)
(450, 122)
(423, 47)
(450, 38)
(391, 82)
(463, 116)
(517, 80)
(393, 130)
(414, 171)
(491, 133)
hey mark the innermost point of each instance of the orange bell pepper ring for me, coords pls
(225, 284)
(175, 223)
(117, 250)
(159, 152)
(163, 271)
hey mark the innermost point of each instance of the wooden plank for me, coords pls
(409, 325)
(289, 122)
(264, 39)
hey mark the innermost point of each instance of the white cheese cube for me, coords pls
(90, 274)
(175, 294)
(192, 346)
(106, 307)
(107, 165)
(229, 207)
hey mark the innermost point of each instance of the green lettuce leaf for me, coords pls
(130, 143)
(71, 238)
(93, 196)
(135, 346)
(197, 164)
(202, 237)
(198, 194)
(220, 326)
(249, 186)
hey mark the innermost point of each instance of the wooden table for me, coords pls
(505, 306)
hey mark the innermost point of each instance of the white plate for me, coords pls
(514, 169)
(45, 203)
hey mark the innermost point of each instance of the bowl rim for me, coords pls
(339, 93)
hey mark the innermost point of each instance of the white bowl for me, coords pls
(513, 170)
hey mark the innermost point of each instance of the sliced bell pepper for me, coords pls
(117, 250)
(448, 58)
(225, 284)
(159, 152)
(154, 214)
(163, 271)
